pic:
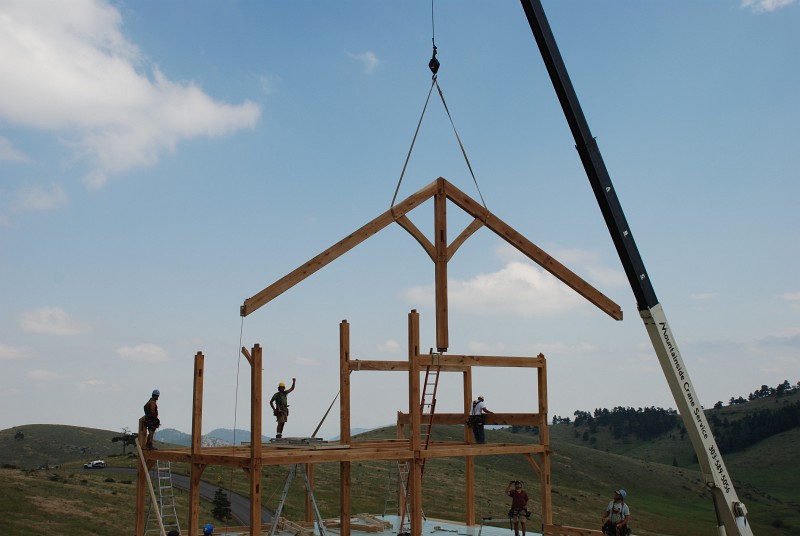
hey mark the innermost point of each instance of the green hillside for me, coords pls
(666, 494)
(35, 445)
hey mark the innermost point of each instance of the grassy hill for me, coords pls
(665, 499)
(35, 445)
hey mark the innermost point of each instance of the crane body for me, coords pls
(731, 512)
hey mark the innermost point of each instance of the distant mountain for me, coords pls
(221, 437)
(354, 432)
(227, 435)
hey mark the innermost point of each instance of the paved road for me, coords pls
(240, 505)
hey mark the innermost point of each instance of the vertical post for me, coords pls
(544, 440)
(440, 225)
(196, 469)
(344, 425)
(469, 461)
(309, 507)
(141, 483)
(415, 470)
(255, 441)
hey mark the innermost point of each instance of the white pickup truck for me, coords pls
(96, 464)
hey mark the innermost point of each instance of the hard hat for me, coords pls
(281, 384)
(156, 392)
(622, 493)
(208, 529)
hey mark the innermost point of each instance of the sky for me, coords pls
(160, 162)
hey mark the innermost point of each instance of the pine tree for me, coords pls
(222, 506)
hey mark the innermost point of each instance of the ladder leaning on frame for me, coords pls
(282, 502)
(154, 502)
(428, 402)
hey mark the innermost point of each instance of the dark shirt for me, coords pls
(518, 498)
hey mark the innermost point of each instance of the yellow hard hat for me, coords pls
(281, 384)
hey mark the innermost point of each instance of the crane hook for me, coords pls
(433, 65)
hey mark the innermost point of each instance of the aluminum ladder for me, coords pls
(429, 387)
(166, 501)
(288, 484)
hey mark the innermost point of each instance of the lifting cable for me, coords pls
(433, 65)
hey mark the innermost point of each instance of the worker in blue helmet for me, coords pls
(151, 420)
(208, 529)
(617, 514)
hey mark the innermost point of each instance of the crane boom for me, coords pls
(731, 513)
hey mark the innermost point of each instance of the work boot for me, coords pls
(278, 436)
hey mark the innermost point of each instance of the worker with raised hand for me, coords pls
(617, 514)
(280, 405)
(519, 512)
(151, 420)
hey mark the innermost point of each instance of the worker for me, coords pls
(280, 405)
(477, 420)
(208, 529)
(151, 420)
(519, 512)
(617, 514)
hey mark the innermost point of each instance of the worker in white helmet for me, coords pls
(617, 514)
(476, 419)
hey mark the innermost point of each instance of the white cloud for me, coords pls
(518, 289)
(146, 352)
(51, 321)
(789, 338)
(98, 385)
(307, 361)
(522, 288)
(69, 69)
(42, 375)
(586, 263)
(15, 352)
(703, 296)
(268, 83)
(9, 154)
(368, 59)
(41, 197)
(390, 347)
(760, 6)
(532, 349)
(790, 296)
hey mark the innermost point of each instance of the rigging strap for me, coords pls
(435, 82)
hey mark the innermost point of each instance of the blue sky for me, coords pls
(161, 162)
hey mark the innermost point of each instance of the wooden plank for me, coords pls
(337, 250)
(440, 275)
(533, 252)
(460, 239)
(345, 472)
(469, 462)
(565, 530)
(482, 360)
(255, 441)
(486, 449)
(399, 366)
(414, 231)
(196, 470)
(505, 419)
(394, 450)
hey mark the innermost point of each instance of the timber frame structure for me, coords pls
(408, 446)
